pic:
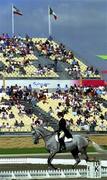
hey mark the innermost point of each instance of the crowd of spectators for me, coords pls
(16, 54)
(54, 51)
(45, 70)
(82, 106)
(17, 58)
(14, 115)
(15, 46)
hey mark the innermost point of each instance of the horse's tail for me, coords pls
(97, 147)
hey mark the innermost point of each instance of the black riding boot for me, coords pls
(62, 144)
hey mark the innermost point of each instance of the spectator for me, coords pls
(21, 124)
(66, 88)
(8, 127)
(58, 89)
(11, 115)
(16, 124)
(30, 88)
(50, 112)
(33, 101)
(4, 115)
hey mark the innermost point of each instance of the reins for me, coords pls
(48, 135)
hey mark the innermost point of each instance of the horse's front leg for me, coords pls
(50, 158)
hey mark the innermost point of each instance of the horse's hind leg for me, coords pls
(76, 157)
(50, 158)
(84, 154)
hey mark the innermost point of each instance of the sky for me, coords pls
(81, 24)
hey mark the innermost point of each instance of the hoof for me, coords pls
(74, 166)
(58, 169)
(91, 160)
(52, 168)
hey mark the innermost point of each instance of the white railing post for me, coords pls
(78, 173)
(63, 174)
(47, 174)
(29, 175)
(13, 175)
(94, 169)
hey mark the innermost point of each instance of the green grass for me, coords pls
(103, 57)
(22, 150)
(33, 150)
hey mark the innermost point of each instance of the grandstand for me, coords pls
(73, 66)
(17, 60)
(83, 111)
(13, 117)
(83, 103)
(40, 58)
(23, 107)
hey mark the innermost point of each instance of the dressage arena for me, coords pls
(34, 166)
(24, 168)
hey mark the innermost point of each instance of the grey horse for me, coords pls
(77, 145)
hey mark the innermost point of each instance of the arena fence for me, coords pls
(93, 170)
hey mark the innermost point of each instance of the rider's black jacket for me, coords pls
(62, 127)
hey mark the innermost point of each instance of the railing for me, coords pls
(25, 133)
(92, 170)
(43, 174)
(48, 174)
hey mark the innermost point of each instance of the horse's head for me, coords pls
(40, 132)
(35, 136)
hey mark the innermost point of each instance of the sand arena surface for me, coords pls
(26, 142)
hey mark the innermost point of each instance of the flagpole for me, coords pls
(12, 22)
(49, 22)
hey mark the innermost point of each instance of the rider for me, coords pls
(62, 131)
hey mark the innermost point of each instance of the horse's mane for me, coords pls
(48, 129)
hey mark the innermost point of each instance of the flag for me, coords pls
(51, 12)
(17, 11)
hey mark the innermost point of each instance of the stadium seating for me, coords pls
(89, 101)
(9, 124)
(40, 44)
(101, 124)
(21, 65)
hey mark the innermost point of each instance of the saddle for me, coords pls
(65, 139)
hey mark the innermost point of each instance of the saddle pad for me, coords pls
(65, 139)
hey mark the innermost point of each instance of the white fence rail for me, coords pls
(35, 160)
(43, 174)
(93, 170)
(48, 174)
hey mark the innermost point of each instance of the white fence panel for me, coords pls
(93, 170)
